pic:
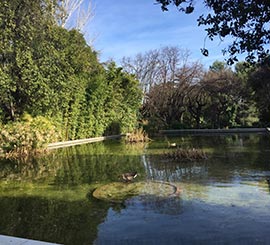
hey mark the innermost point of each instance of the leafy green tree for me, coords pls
(73, 65)
(259, 80)
(224, 91)
(248, 115)
(23, 25)
(114, 100)
(246, 21)
(218, 66)
(46, 70)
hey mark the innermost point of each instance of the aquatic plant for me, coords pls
(119, 192)
(138, 135)
(185, 154)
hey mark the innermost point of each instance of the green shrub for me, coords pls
(26, 137)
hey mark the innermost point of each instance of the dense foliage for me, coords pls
(259, 81)
(26, 137)
(52, 86)
(246, 21)
(189, 96)
(48, 71)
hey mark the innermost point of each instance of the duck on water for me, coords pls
(127, 177)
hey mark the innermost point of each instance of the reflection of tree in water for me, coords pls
(232, 157)
(94, 168)
(65, 222)
(268, 183)
(34, 169)
(74, 166)
(158, 169)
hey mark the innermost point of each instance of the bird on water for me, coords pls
(129, 176)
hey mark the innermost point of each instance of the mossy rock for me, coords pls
(121, 191)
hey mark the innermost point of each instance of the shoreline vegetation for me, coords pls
(137, 136)
(53, 86)
(191, 154)
(26, 138)
(33, 137)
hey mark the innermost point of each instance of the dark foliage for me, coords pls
(247, 21)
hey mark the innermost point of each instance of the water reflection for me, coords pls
(51, 220)
(158, 169)
(224, 198)
(230, 157)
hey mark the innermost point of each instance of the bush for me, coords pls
(26, 137)
(138, 135)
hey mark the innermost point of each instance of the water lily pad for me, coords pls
(120, 191)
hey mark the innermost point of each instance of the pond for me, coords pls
(224, 199)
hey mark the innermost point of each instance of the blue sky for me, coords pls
(127, 27)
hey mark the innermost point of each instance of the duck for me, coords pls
(129, 176)
(172, 145)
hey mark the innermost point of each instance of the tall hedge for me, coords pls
(48, 71)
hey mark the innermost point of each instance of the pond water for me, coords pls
(224, 199)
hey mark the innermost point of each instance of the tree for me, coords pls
(167, 64)
(197, 100)
(259, 80)
(166, 102)
(80, 10)
(225, 99)
(113, 99)
(24, 24)
(248, 115)
(246, 21)
(144, 67)
(47, 70)
(218, 66)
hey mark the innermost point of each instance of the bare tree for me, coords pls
(158, 66)
(171, 60)
(196, 101)
(166, 103)
(76, 13)
(144, 67)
